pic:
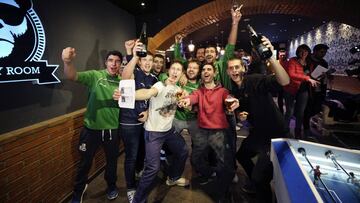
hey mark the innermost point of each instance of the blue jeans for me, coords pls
(153, 144)
(133, 139)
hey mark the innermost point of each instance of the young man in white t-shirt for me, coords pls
(159, 130)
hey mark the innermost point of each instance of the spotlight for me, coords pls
(355, 49)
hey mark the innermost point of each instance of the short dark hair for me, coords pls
(159, 56)
(150, 53)
(179, 62)
(303, 47)
(200, 47)
(115, 53)
(235, 58)
(211, 64)
(194, 61)
(320, 46)
(212, 45)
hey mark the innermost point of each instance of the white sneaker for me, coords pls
(183, 182)
(130, 195)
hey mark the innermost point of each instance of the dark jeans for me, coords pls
(153, 144)
(259, 173)
(314, 106)
(133, 138)
(231, 135)
(89, 142)
(217, 140)
(296, 104)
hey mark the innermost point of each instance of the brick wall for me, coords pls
(38, 163)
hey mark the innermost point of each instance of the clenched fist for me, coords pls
(68, 54)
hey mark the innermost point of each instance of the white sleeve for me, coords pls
(159, 86)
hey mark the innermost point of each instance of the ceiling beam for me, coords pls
(217, 10)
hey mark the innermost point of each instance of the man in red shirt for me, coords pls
(212, 122)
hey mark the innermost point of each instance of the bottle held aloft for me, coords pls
(144, 40)
(255, 40)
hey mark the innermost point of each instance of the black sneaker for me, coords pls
(203, 180)
(78, 196)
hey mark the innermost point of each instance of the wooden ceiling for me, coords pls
(344, 11)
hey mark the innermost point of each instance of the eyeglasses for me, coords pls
(11, 15)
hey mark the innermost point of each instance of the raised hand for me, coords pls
(178, 38)
(68, 54)
(266, 42)
(236, 14)
(138, 46)
(129, 45)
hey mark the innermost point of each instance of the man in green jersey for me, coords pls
(101, 120)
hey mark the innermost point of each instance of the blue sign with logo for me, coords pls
(22, 45)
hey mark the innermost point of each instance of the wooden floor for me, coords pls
(195, 193)
(165, 194)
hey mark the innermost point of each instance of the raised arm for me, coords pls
(177, 52)
(68, 55)
(281, 75)
(144, 94)
(236, 16)
(130, 67)
(129, 45)
(229, 49)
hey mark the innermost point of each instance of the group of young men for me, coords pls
(164, 107)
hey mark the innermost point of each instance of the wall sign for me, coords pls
(22, 45)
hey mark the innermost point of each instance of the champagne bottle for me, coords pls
(255, 40)
(144, 40)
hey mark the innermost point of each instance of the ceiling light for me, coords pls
(222, 51)
(246, 20)
(191, 46)
(272, 24)
(143, 4)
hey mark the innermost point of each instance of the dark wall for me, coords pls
(92, 28)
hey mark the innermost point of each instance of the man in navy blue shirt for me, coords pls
(132, 120)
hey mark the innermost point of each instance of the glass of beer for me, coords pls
(228, 102)
(179, 95)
